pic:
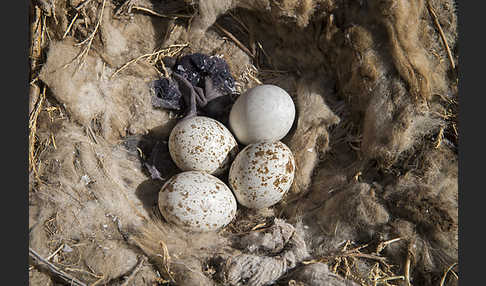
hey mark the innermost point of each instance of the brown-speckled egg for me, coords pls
(202, 144)
(197, 201)
(261, 174)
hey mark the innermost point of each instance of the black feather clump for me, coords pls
(167, 94)
(195, 68)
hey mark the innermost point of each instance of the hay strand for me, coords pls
(407, 264)
(82, 4)
(441, 32)
(134, 272)
(39, 261)
(154, 57)
(449, 269)
(33, 129)
(68, 29)
(153, 13)
(383, 244)
(87, 42)
(234, 39)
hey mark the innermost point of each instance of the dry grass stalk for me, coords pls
(82, 4)
(36, 44)
(55, 252)
(68, 29)
(124, 9)
(343, 264)
(53, 111)
(134, 272)
(86, 272)
(239, 21)
(155, 57)
(383, 244)
(441, 32)
(440, 136)
(250, 74)
(54, 270)
(269, 59)
(44, 29)
(272, 75)
(449, 269)
(54, 12)
(150, 243)
(380, 277)
(153, 13)
(50, 225)
(407, 264)
(455, 129)
(259, 226)
(234, 39)
(79, 59)
(166, 259)
(33, 130)
(98, 281)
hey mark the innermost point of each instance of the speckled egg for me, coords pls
(197, 201)
(261, 174)
(202, 144)
(263, 113)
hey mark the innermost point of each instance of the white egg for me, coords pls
(263, 113)
(261, 174)
(202, 144)
(197, 201)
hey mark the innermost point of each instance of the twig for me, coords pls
(454, 274)
(166, 259)
(440, 136)
(81, 5)
(239, 21)
(455, 129)
(53, 3)
(98, 281)
(444, 40)
(153, 13)
(33, 128)
(442, 281)
(237, 42)
(126, 7)
(54, 270)
(383, 244)
(155, 55)
(134, 272)
(129, 63)
(265, 54)
(53, 141)
(85, 272)
(254, 78)
(391, 278)
(258, 226)
(36, 43)
(407, 264)
(70, 25)
(364, 255)
(55, 252)
(45, 28)
(89, 131)
(340, 256)
(89, 40)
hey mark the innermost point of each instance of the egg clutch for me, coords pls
(203, 148)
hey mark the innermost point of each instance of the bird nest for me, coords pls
(374, 198)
